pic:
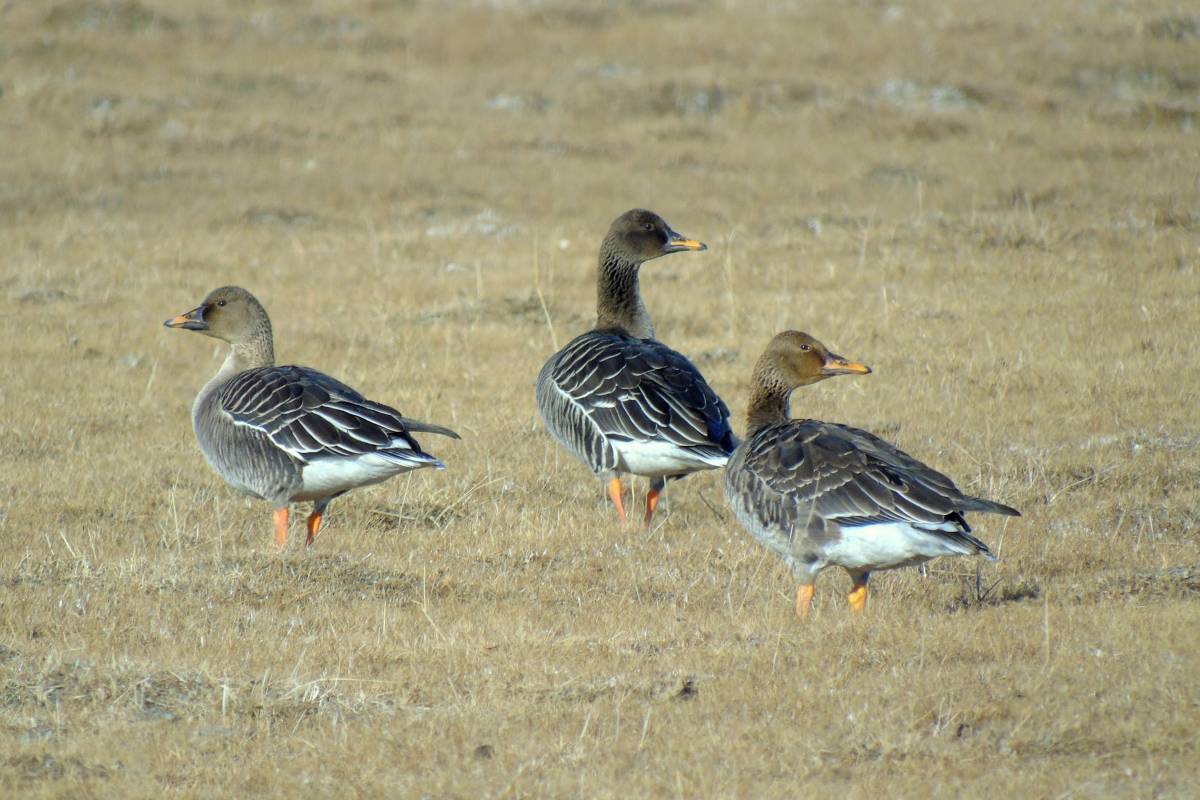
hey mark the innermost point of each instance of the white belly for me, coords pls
(660, 459)
(330, 476)
(887, 545)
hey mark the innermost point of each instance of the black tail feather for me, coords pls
(988, 507)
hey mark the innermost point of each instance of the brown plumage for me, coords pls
(821, 494)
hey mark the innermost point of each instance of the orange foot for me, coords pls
(281, 525)
(651, 504)
(858, 595)
(614, 491)
(314, 527)
(804, 596)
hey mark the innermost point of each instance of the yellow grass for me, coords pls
(994, 205)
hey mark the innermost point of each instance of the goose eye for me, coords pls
(649, 226)
(805, 347)
(220, 302)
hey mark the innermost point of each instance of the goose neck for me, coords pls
(619, 298)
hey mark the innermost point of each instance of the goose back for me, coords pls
(624, 404)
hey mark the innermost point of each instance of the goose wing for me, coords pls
(814, 473)
(311, 416)
(641, 390)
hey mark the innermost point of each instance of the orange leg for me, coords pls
(804, 596)
(314, 526)
(858, 594)
(651, 504)
(614, 491)
(281, 522)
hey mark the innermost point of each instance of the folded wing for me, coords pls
(312, 416)
(641, 390)
(814, 474)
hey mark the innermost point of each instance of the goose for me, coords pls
(285, 433)
(820, 494)
(620, 400)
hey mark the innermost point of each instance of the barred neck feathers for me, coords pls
(255, 347)
(769, 399)
(792, 359)
(618, 296)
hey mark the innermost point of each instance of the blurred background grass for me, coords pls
(993, 205)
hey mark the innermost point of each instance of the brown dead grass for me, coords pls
(994, 205)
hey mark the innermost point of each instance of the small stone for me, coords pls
(172, 130)
(40, 296)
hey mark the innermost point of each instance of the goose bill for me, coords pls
(836, 365)
(679, 242)
(190, 321)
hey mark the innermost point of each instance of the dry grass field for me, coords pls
(995, 205)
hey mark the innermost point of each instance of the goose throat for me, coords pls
(619, 299)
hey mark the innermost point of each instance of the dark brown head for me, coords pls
(797, 359)
(640, 235)
(229, 313)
